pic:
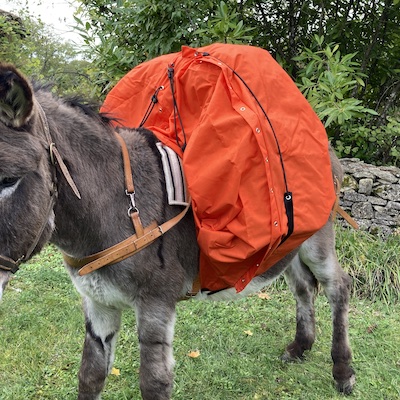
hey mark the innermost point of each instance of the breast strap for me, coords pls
(143, 237)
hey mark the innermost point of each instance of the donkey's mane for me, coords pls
(39, 85)
(91, 109)
(88, 107)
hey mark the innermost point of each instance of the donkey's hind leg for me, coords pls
(303, 284)
(319, 254)
(102, 326)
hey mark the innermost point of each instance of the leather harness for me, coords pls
(130, 246)
(337, 209)
(143, 237)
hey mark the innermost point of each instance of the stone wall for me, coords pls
(371, 195)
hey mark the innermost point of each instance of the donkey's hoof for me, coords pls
(345, 379)
(288, 357)
(347, 386)
(293, 352)
(83, 396)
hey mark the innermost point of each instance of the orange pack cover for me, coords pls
(251, 138)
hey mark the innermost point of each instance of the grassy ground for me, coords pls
(239, 344)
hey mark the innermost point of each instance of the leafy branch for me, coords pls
(327, 79)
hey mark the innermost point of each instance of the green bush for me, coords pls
(329, 81)
(225, 27)
(379, 145)
(373, 264)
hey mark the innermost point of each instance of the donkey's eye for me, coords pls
(8, 182)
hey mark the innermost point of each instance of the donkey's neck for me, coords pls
(93, 157)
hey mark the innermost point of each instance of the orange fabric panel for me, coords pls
(231, 161)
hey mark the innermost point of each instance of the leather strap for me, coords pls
(55, 156)
(196, 288)
(130, 246)
(338, 209)
(124, 249)
(347, 217)
(54, 153)
(9, 265)
(133, 211)
(130, 187)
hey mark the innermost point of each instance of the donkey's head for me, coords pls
(26, 178)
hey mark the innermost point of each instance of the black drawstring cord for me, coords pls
(153, 102)
(176, 110)
(288, 196)
(270, 124)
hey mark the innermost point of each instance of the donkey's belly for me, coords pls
(255, 285)
(103, 291)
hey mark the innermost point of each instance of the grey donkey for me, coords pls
(38, 205)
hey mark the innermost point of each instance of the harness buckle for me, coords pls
(132, 208)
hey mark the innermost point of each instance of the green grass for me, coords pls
(374, 264)
(41, 337)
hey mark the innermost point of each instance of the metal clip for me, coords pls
(51, 150)
(132, 208)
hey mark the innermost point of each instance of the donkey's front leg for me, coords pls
(155, 321)
(102, 326)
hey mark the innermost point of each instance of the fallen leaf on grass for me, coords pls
(248, 333)
(194, 354)
(371, 328)
(264, 296)
(115, 371)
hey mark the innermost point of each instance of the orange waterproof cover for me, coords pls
(232, 161)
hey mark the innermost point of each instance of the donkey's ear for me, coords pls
(16, 97)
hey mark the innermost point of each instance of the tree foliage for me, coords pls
(32, 47)
(367, 28)
(328, 80)
(343, 54)
(121, 34)
(127, 32)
